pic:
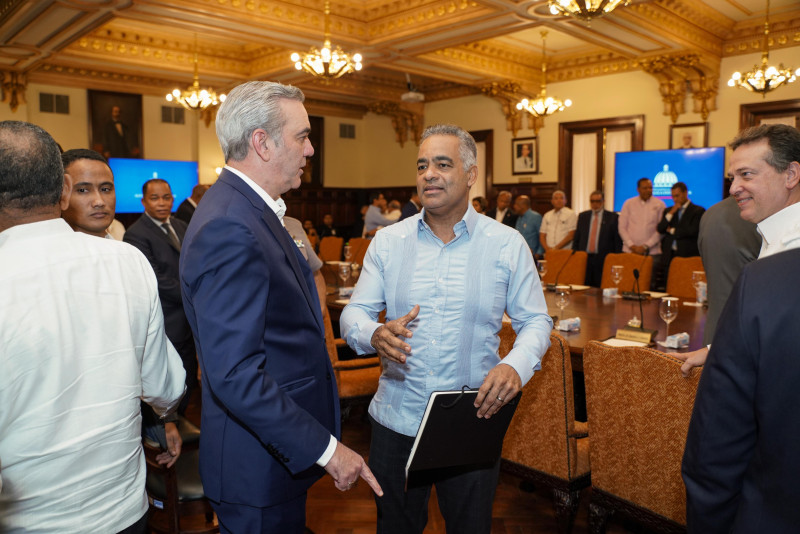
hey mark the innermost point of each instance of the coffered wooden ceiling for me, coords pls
(449, 47)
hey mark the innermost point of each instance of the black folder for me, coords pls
(451, 434)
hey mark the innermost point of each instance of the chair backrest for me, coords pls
(330, 248)
(574, 266)
(358, 247)
(679, 279)
(630, 262)
(539, 436)
(638, 407)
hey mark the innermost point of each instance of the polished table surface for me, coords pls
(602, 316)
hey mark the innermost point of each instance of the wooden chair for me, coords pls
(679, 279)
(630, 262)
(330, 248)
(358, 247)
(176, 493)
(638, 406)
(544, 443)
(574, 265)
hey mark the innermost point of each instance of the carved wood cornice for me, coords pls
(679, 73)
(406, 118)
(12, 88)
(507, 93)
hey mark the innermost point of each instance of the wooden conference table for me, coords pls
(602, 316)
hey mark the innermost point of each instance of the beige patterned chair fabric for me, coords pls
(544, 443)
(638, 407)
(574, 272)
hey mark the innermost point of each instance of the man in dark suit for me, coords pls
(159, 237)
(597, 234)
(186, 208)
(680, 225)
(270, 414)
(503, 212)
(411, 207)
(741, 458)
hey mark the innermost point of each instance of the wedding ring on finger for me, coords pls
(500, 398)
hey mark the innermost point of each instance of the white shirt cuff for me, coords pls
(328, 454)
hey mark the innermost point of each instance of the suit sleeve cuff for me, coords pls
(328, 454)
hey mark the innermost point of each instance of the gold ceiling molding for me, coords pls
(579, 67)
(507, 93)
(428, 16)
(12, 88)
(106, 47)
(664, 17)
(57, 74)
(482, 64)
(703, 17)
(406, 118)
(679, 73)
(316, 106)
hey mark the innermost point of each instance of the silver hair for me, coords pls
(558, 191)
(250, 106)
(467, 150)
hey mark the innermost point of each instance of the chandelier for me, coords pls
(585, 10)
(544, 105)
(329, 63)
(765, 77)
(193, 97)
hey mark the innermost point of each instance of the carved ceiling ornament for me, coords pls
(679, 73)
(406, 118)
(507, 93)
(12, 89)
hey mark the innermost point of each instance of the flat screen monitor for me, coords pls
(701, 169)
(131, 174)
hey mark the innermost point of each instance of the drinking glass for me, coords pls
(348, 252)
(616, 277)
(668, 311)
(344, 273)
(562, 300)
(542, 267)
(698, 277)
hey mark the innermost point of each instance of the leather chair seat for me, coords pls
(190, 488)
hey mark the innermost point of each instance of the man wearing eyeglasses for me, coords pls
(597, 234)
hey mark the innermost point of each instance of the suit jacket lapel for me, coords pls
(155, 229)
(281, 235)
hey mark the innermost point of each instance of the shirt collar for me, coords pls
(780, 226)
(192, 202)
(156, 221)
(278, 206)
(468, 221)
(35, 230)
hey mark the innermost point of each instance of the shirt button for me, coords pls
(433, 342)
(430, 373)
(441, 280)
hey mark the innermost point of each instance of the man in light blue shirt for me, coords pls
(528, 223)
(444, 276)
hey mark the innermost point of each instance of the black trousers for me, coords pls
(284, 518)
(465, 494)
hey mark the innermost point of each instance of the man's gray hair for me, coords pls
(467, 150)
(783, 140)
(31, 172)
(250, 106)
(557, 191)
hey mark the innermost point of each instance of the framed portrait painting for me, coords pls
(688, 135)
(115, 124)
(524, 156)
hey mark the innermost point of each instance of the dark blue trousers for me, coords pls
(284, 518)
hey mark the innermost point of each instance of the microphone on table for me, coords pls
(641, 327)
(552, 287)
(636, 295)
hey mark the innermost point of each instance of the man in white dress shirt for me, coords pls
(83, 341)
(558, 224)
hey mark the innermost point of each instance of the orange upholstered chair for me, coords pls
(630, 262)
(330, 248)
(638, 406)
(679, 280)
(574, 266)
(358, 247)
(544, 443)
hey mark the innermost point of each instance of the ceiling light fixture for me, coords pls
(585, 10)
(544, 105)
(194, 97)
(329, 63)
(765, 77)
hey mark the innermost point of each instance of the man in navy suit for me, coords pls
(270, 414)
(741, 459)
(597, 233)
(681, 226)
(159, 237)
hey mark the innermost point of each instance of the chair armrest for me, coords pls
(339, 342)
(580, 429)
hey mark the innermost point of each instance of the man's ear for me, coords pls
(473, 175)
(66, 192)
(792, 175)
(261, 143)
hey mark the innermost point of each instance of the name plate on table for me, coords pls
(635, 334)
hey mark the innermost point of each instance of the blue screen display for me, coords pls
(701, 169)
(131, 174)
